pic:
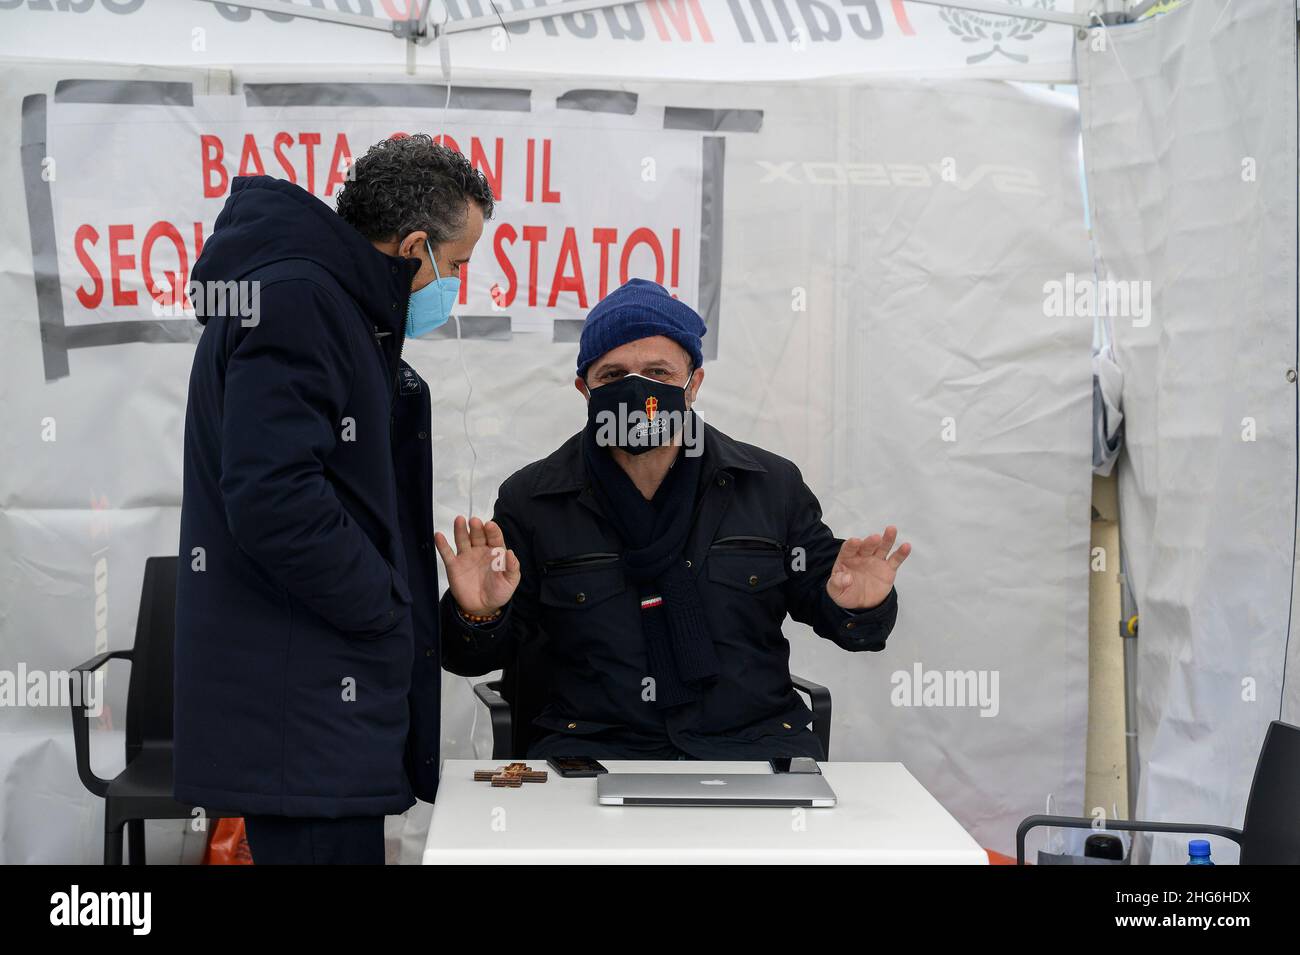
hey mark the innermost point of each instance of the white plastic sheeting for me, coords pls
(872, 261)
(1190, 145)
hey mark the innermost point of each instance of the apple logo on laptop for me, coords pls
(713, 782)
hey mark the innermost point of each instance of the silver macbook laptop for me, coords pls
(720, 789)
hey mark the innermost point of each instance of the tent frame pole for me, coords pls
(420, 29)
(1128, 632)
(998, 7)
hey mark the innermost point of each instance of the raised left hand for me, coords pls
(864, 571)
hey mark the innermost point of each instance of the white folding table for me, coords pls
(883, 816)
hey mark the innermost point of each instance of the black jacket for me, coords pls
(295, 629)
(754, 513)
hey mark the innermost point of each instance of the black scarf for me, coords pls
(679, 648)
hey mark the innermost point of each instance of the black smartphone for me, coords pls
(576, 767)
(794, 764)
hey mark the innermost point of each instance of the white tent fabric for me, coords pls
(874, 288)
(1190, 145)
(727, 40)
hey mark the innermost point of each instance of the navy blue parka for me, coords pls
(306, 663)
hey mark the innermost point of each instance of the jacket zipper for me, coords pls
(397, 366)
(401, 346)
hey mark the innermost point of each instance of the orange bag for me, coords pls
(227, 844)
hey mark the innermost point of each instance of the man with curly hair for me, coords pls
(307, 659)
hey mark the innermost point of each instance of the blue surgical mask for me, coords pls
(430, 307)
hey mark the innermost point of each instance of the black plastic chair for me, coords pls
(513, 705)
(1270, 833)
(143, 790)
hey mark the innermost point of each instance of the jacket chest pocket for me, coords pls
(582, 581)
(749, 564)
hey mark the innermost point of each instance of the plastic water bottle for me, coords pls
(1198, 852)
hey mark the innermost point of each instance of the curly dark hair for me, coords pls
(409, 184)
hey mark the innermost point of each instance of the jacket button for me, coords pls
(428, 653)
(581, 598)
(753, 580)
(688, 563)
(849, 625)
(787, 726)
(722, 482)
(394, 306)
(573, 726)
(423, 435)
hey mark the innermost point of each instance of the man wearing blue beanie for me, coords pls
(635, 310)
(633, 584)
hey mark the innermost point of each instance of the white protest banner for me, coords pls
(591, 190)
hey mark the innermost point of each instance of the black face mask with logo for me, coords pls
(636, 414)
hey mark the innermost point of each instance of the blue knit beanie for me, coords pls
(639, 309)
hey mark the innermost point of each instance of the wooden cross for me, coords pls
(512, 775)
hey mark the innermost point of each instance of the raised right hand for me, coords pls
(481, 572)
